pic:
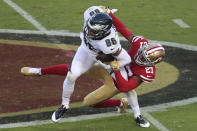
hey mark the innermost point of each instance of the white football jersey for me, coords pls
(108, 45)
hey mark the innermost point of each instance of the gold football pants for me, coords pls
(104, 92)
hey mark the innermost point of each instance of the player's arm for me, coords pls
(125, 86)
(121, 28)
(118, 59)
(122, 57)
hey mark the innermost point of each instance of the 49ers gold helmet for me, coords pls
(150, 54)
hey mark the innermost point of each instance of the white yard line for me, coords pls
(145, 111)
(181, 23)
(69, 119)
(155, 122)
(62, 33)
(163, 106)
(49, 32)
(25, 15)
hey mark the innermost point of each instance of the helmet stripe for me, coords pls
(152, 50)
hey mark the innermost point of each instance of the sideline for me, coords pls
(145, 110)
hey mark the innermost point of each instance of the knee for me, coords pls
(133, 92)
(91, 100)
(86, 102)
(72, 76)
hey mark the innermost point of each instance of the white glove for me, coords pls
(107, 10)
(114, 10)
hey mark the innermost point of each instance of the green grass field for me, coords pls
(149, 18)
(181, 118)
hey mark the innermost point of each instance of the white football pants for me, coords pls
(133, 102)
(81, 63)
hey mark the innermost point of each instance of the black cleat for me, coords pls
(58, 113)
(142, 122)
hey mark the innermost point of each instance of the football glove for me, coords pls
(115, 65)
(107, 10)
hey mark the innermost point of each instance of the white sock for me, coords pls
(68, 88)
(35, 70)
(133, 102)
(121, 104)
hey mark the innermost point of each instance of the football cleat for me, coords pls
(29, 71)
(140, 121)
(121, 109)
(58, 113)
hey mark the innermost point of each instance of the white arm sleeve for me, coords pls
(123, 58)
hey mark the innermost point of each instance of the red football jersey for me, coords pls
(146, 73)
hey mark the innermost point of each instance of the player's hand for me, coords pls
(115, 65)
(107, 10)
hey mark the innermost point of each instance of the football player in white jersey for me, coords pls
(99, 36)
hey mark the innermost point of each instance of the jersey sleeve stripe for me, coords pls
(146, 79)
(135, 39)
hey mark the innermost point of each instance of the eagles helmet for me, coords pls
(99, 25)
(150, 54)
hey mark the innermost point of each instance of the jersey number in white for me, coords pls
(149, 70)
(143, 43)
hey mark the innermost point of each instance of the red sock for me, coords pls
(108, 103)
(56, 69)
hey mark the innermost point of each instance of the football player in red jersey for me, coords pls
(144, 56)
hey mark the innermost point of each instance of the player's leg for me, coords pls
(133, 102)
(81, 62)
(51, 70)
(104, 92)
(55, 70)
(120, 104)
(100, 97)
(101, 94)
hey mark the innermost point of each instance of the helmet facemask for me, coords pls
(99, 26)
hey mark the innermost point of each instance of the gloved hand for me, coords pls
(115, 65)
(107, 10)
